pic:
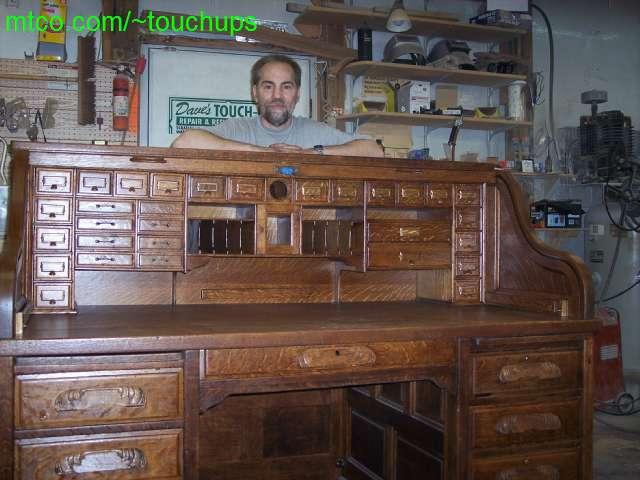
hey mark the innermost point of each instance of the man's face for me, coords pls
(276, 93)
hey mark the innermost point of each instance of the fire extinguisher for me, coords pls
(121, 100)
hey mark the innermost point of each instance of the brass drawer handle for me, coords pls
(539, 472)
(112, 241)
(337, 357)
(102, 461)
(517, 424)
(526, 371)
(104, 258)
(86, 398)
(112, 224)
(105, 205)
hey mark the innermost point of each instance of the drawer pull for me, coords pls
(337, 357)
(411, 232)
(102, 461)
(540, 472)
(105, 205)
(112, 224)
(526, 371)
(87, 398)
(104, 258)
(518, 424)
(112, 241)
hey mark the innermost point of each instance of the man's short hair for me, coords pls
(276, 58)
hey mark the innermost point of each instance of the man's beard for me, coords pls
(276, 117)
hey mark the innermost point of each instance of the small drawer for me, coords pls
(409, 255)
(160, 243)
(468, 218)
(132, 184)
(301, 360)
(104, 259)
(105, 223)
(53, 295)
(439, 195)
(468, 242)
(53, 181)
(206, 188)
(502, 426)
(347, 193)
(467, 265)
(161, 208)
(411, 195)
(49, 238)
(79, 398)
(518, 372)
(558, 465)
(97, 242)
(94, 183)
(467, 195)
(56, 210)
(466, 290)
(160, 225)
(313, 191)
(245, 188)
(381, 194)
(52, 267)
(160, 262)
(409, 231)
(167, 185)
(147, 455)
(104, 206)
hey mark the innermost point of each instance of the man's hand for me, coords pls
(284, 147)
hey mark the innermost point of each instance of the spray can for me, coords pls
(516, 100)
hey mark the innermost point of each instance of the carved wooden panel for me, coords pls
(496, 426)
(140, 455)
(95, 398)
(48, 210)
(557, 465)
(409, 231)
(299, 360)
(409, 255)
(526, 371)
(94, 182)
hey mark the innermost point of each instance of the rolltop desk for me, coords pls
(170, 314)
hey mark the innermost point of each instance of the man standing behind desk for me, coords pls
(275, 87)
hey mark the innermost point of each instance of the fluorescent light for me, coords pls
(398, 20)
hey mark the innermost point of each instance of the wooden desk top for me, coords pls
(113, 329)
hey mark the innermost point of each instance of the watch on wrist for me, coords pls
(319, 149)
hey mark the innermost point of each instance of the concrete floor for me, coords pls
(616, 441)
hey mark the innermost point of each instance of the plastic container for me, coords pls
(517, 100)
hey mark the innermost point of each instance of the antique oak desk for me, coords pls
(171, 314)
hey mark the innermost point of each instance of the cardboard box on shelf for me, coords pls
(446, 96)
(395, 138)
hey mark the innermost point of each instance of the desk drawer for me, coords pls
(53, 295)
(516, 372)
(94, 183)
(160, 225)
(155, 454)
(381, 194)
(105, 206)
(160, 243)
(52, 267)
(160, 262)
(104, 242)
(245, 188)
(105, 223)
(347, 193)
(104, 259)
(167, 185)
(468, 218)
(409, 231)
(502, 426)
(94, 398)
(48, 238)
(206, 188)
(561, 465)
(312, 191)
(53, 210)
(411, 194)
(409, 255)
(132, 184)
(468, 195)
(467, 265)
(53, 181)
(161, 208)
(301, 360)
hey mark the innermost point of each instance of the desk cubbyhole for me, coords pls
(332, 232)
(221, 230)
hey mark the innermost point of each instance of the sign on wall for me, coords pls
(187, 113)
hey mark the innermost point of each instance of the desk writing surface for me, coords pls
(157, 328)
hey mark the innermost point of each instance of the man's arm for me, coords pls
(196, 138)
(359, 148)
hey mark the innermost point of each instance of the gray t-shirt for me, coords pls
(303, 132)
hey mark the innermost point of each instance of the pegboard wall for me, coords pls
(60, 82)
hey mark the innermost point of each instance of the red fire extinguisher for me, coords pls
(121, 100)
